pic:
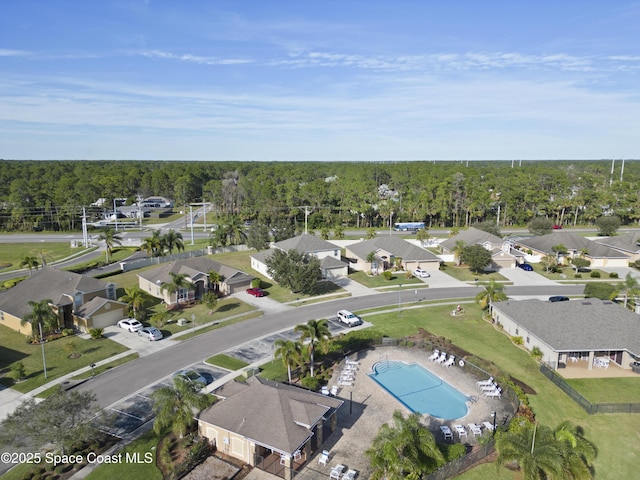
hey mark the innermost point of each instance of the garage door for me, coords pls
(105, 319)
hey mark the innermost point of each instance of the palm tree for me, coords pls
(173, 239)
(559, 249)
(178, 282)
(31, 262)
(316, 332)
(630, 287)
(41, 315)
(405, 450)
(214, 280)
(290, 352)
(174, 406)
(153, 245)
(577, 452)
(534, 448)
(457, 251)
(493, 292)
(136, 298)
(110, 238)
(235, 230)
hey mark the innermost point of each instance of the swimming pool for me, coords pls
(420, 390)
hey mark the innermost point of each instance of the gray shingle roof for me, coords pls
(93, 305)
(578, 325)
(629, 242)
(471, 236)
(305, 244)
(272, 414)
(48, 283)
(545, 243)
(194, 267)
(396, 246)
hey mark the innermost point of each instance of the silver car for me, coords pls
(150, 333)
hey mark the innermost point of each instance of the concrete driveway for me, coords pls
(134, 342)
(524, 278)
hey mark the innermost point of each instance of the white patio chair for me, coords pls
(334, 390)
(336, 471)
(446, 431)
(324, 458)
(434, 355)
(460, 430)
(488, 381)
(488, 426)
(475, 429)
(350, 475)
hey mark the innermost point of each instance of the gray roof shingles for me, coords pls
(194, 267)
(274, 415)
(545, 243)
(472, 236)
(48, 283)
(578, 325)
(396, 246)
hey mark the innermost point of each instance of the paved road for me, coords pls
(110, 387)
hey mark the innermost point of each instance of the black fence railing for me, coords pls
(590, 408)
(459, 465)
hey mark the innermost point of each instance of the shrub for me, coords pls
(387, 275)
(536, 353)
(451, 452)
(595, 275)
(255, 283)
(96, 333)
(18, 371)
(613, 275)
(600, 290)
(408, 274)
(210, 299)
(67, 331)
(517, 340)
(312, 383)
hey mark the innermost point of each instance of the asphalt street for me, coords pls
(110, 387)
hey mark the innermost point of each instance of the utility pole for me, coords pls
(622, 170)
(115, 213)
(191, 221)
(613, 162)
(85, 235)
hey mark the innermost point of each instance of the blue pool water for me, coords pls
(420, 390)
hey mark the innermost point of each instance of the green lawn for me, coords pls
(616, 435)
(225, 361)
(13, 253)
(464, 274)
(14, 348)
(608, 390)
(377, 281)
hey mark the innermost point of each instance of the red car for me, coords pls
(256, 292)
(557, 227)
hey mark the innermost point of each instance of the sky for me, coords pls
(323, 80)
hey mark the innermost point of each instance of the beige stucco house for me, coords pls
(386, 250)
(80, 301)
(331, 264)
(628, 243)
(272, 426)
(197, 271)
(578, 330)
(503, 255)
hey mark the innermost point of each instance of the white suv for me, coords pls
(418, 272)
(348, 318)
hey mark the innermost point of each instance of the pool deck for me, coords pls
(360, 419)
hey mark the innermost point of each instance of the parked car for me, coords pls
(584, 270)
(558, 298)
(418, 272)
(526, 267)
(256, 292)
(130, 324)
(192, 376)
(150, 333)
(348, 318)
(557, 227)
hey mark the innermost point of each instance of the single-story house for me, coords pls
(272, 426)
(584, 329)
(386, 250)
(503, 255)
(197, 271)
(80, 301)
(628, 243)
(331, 264)
(598, 254)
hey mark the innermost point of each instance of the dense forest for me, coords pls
(51, 194)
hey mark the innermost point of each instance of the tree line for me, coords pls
(51, 194)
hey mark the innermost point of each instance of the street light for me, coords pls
(93, 372)
(44, 362)
(193, 320)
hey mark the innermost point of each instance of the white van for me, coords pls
(348, 318)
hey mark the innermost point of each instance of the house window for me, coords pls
(517, 331)
(111, 291)
(336, 253)
(527, 338)
(2, 315)
(182, 293)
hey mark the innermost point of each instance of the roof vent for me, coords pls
(586, 303)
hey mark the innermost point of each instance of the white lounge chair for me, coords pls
(350, 475)
(475, 429)
(481, 383)
(450, 362)
(441, 358)
(460, 430)
(336, 471)
(434, 355)
(495, 393)
(334, 390)
(446, 431)
(324, 390)
(488, 388)
(488, 426)
(345, 383)
(324, 458)
(352, 362)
